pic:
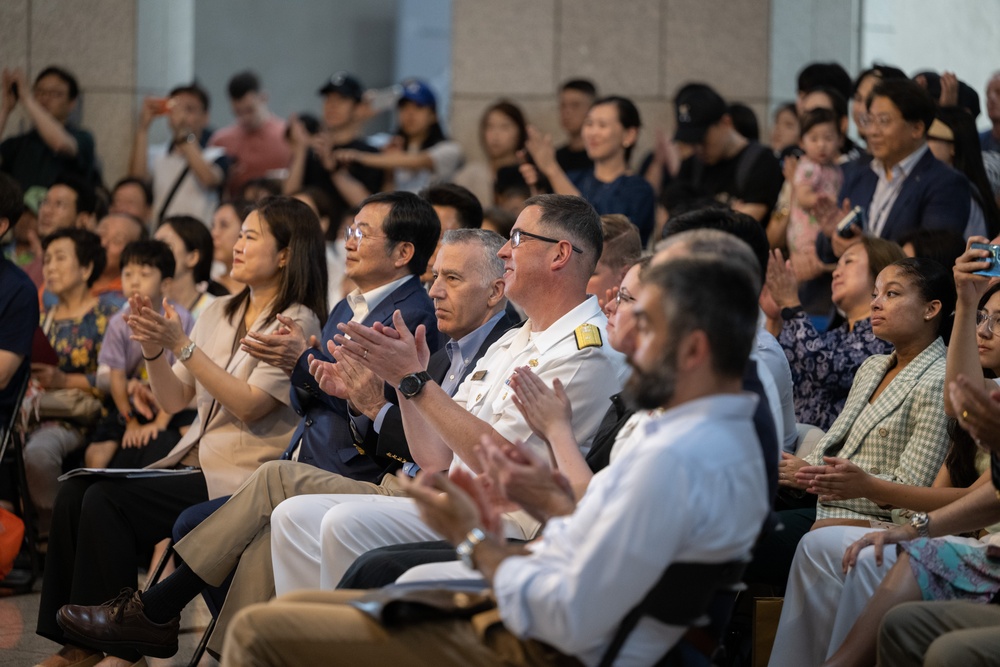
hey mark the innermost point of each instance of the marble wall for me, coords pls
(643, 49)
(94, 39)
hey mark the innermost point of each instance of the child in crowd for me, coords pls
(147, 269)
(815, 187)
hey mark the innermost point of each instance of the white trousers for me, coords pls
(821, 602)
(449, 571)
(316, 538)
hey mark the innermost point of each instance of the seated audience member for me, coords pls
(255, 142)
(744, 120)
(609, 135)
(333, 231)
(498, 220)
(75, 327)
(952, 139)
(69, 202)
(226, 228)
(134, 197)
(186, 173)
(193, 253)
(862, 88)
(957, 574)
(420, 154)
(785, 129)
(18, 310)
(576, 96)
(548, 260)
(824, 601)
(502, 133)
(116, 230)
(719, 162)
(816, 75)
(989, 140)
(893, 423)
(622, 248)
(103, 527)
(548, 592)
(823, 364)
(469, 292)
(147, 269)
(456, 208)
(53, 146)
(905, 187)
(314, 162)
(815, 185)
(259, 188)
(937, 244)
(832, 99)
(772, 366)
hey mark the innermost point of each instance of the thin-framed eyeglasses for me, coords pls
(355, 233)
(881, 121)
(992, 322)
(517, 234)
(623, 295)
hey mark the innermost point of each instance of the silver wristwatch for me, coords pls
(186, 352)
(921, 523)
(468, 545)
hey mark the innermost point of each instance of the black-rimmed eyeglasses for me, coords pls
(515, 239)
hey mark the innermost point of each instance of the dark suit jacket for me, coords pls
(325, 425)
(933, 196)
(390, 441)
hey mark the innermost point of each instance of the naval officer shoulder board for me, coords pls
(587, 335)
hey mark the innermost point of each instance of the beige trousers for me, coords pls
(319, 628)
(238, 534)
(940, 634)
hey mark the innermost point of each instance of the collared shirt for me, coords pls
(887, 191)
(363, 303)
(702, 461)
(589, 373)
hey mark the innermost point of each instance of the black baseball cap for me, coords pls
(696, 107)
(344, 85)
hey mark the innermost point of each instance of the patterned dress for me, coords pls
(77, 341)
(823, 365)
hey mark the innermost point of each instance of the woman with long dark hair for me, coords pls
(103, 528)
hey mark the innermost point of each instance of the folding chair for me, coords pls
(154, 577)
(21, 580)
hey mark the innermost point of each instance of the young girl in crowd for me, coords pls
(502, 133)
(816, 183)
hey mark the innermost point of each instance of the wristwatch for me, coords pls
(186, 352)
(468, 545)
(413, 384)
(921, 523)
(191, 138)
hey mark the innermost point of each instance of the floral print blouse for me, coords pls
(823, 365)
(77, 341)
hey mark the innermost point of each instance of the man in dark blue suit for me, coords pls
(904, 187)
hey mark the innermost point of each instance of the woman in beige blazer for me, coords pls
(102, 527)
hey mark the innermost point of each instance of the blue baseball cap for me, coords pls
(419, 93)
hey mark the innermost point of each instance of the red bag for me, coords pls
(11, 535)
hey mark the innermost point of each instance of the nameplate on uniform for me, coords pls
(478, 375)
(587, 335)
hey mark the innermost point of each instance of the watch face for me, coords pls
(410, 385)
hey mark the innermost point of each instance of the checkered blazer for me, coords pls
(901, 437)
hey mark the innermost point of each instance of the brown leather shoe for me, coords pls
(118, 624)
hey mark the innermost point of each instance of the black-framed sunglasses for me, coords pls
(515, 239)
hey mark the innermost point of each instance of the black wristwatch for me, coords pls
(789, 313)
(413, 384)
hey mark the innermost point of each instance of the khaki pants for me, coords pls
(318, 628)
(238, 534)
(939, 634)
